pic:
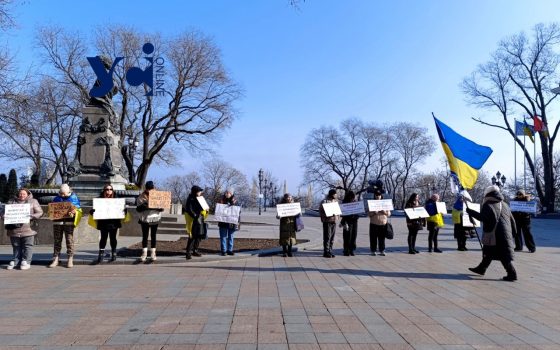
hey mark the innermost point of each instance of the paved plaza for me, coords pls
(400, 301)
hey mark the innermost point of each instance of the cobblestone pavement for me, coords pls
(399, 301)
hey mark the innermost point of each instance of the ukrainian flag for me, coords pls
(464, 156)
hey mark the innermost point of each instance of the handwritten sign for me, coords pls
(108, 208)
(227, 213)
(380, 204)
(416, 213)
(331, 209)
(441, 207)
(467, 218)
(159, 199)
(524, 207)
(353, 208)
(17, 213)
(288, 209)
(60, 210)
(203, 203)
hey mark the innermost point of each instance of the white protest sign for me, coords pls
(524, 207)
(203, 203)
(331, 209)
(17, 213)
(288, 209)
(441, 207)
(466, 217)
(227, 213)
(380, 204)
(416, 213)
(108, 208)
(352, 208)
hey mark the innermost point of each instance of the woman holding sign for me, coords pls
(435, 221)
(329, 224)
(21, 235)
(65, 226)
(149, 221)
(227, 229)
(197, 215)
(378, 227)
(413, 225)
(108, 228)
(349, 225)
(287, 229)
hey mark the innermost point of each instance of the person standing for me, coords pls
(523, 223)
(149, 221)
(378, 227)
(287, 229)
(413, 225)
(435, 221)
(22, 235)
(66, 226)
(198, 228)
(498, 226)
(349, 226)
(459, 231)
(227, 230)
(108, 228)
(329, 225)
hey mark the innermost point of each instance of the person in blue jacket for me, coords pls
(65, 226)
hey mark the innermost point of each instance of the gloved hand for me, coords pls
(160, 209)
(91, 211)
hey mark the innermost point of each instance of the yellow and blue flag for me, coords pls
(465, 157)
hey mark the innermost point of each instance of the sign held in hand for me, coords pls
(332, 209)
(60, 210)
(203, 203)
(159, 199)
(288, 209)
(108, 208)
(17, 213)
(380, 204)
(227, 213)
(353, 208)
(416, 213)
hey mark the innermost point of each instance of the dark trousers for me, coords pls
(433, 231)
(192, 245)
(149, 229)
(349, 236)
(329, 230)
(524, 232)
(460, 236)
(507, 264)
(377, 235)
(412, 233)
(58, 232)
(112, 235)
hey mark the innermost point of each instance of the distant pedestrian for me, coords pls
(413, 225)
(227, 230)
(435, 221)
(329, 225)
(65, 226)
(498, 226)
(523, 222)
(349, 225)
(22, 235)
(149, 221)
(197, 216)
(378, 227)
(460, 232)
(107, 228)
(287, 229)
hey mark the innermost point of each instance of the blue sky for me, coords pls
(330, 60)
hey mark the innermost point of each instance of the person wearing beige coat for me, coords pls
(378, 228)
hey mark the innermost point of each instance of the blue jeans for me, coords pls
(226, 239)
(23, 249)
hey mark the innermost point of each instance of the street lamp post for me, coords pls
(265, 190)
(499, 180)
(260, 188)
(274, 195)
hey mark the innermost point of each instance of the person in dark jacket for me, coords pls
(198, 230)
(329, 225)
(413, 225)
(349, 225)
(287, 229)
(227, 229)
(498, 226)
(22, 235)
(435, 221)
(523, 223)
(108, 228)
(149, 221)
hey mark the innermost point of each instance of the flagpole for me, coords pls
(524, 165)
(515, 160)
(535, 161)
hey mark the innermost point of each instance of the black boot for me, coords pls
(100, 256)
(113, 255)
(511, 273)
(284, 250)
(478, 270)
(290, 250)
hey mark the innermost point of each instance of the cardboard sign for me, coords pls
(524, 207)
(203, 203)
(17, 213)
(466, 217)
(108, 208)
(227, 213)
(441, 207)
(416, 213)
(353, 208)
(159, 199)
(380, 204)
(60, 210)
(288, 209)
(331, 209)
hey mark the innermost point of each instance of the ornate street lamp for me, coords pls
(260, 188)
(499, 180)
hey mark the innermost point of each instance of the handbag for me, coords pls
(389, 233)
(299, 223)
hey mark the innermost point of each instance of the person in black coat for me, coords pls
(523, 222)
(108, 228)
(349, 224)
(198, 230)
(413, 225)
(497, 237)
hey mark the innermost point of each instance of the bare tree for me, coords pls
(180, 186)
(516, 81)
(219, 176)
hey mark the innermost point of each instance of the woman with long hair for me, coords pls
(413, 225)
(349, 225)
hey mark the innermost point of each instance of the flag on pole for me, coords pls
(465, 157)
(519, 128)
(528, 130)
(538, 124)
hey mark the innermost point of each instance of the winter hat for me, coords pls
(64, 189)
(195, 189)
(521, 193)
(490, 189)
(149, 185)
(332, 192)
